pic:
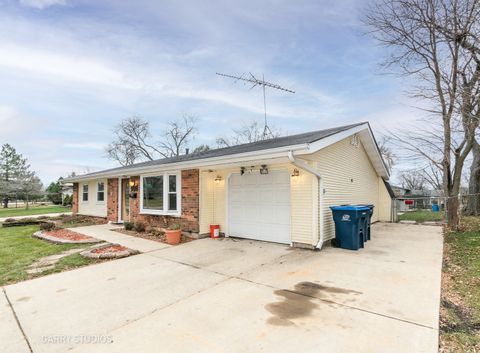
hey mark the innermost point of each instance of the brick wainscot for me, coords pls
(188, 221)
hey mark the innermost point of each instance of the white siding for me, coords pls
(213, 202)
(92, 207)
(348, 177)
(338, 164)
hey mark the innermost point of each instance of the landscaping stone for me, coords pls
(108, 251)
(48, 262)
(432, 223)
(408, 222)
(79, 239)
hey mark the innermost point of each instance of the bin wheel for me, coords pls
(335, 243)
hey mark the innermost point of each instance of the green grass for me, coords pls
(34, 210)
(421, 216)
(18, 250)
(460, 328)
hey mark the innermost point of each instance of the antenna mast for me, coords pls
(257, 82)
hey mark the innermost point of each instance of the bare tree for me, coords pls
(133, 140)
(473, 204)
(247, 133)
(412, 180)
(177, 136)
(386, 151)
(432, 40)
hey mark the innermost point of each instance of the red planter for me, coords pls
(173, 236)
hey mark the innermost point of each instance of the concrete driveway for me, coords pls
(239, 296)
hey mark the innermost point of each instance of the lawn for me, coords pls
(421, 216)
(34, 210)
(460, 310)
(18, 250)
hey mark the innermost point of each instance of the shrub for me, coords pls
(47, 226)
(174, 227)
(128, 225)
(139, 227)
(155, 231)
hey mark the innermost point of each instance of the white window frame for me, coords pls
(100, 201)
(165, 211)
(83, 192)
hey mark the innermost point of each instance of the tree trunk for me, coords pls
(452, 212)
(5, 202)
(473, 203)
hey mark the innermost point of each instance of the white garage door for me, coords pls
(259, 206)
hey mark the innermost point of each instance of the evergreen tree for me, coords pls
(13, 168)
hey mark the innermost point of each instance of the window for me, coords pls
(153, 193)
(160, 194)
(172, 192)
(85, 193)
(100, 192)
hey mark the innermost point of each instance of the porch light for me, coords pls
(131, 183)
(264, 169)
(295, 173)
(218, 179)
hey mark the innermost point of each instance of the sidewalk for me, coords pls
(105, 232)
(2, 219)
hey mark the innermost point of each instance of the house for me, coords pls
(276, 190)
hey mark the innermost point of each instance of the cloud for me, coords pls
(85, 145)
(13, 124)
(42, 4)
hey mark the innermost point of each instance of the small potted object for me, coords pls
(174, 234)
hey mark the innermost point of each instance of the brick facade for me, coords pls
(189, 220)
(75, 199)
(112, 200)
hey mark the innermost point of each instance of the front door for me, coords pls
(125, 201)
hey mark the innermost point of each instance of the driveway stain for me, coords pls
(300, 302)
(61, 290)
(24, 299)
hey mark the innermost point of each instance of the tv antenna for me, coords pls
(257, 82)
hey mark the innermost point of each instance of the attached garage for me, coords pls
(259, 206)
(278, 190)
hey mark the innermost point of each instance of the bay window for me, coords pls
(160, 194)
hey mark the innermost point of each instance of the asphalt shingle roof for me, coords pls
(308, 137)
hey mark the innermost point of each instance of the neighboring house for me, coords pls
(276, 190)
(67, 190)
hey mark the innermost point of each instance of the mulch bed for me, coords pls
(67, 234)
(111, 248)
(148, 236)
(108, 251)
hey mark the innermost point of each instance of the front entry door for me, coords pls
(125, 201)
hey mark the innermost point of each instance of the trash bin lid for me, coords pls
(349, 208)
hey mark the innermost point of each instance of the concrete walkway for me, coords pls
(106, 232)
(229, 295)
(3, 219)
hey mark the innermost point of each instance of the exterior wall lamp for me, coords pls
(295, 173)
(264, 169)
(218, 179)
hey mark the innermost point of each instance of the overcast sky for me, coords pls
(71, 70)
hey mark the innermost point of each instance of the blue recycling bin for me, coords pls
(350, 225)
(369, 220)
(435, 208)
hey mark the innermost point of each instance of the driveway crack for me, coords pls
(17, 320)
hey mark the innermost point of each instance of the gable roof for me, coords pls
(297, 142)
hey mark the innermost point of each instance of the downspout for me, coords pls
(302, 165)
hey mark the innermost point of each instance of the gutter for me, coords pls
(302, 165)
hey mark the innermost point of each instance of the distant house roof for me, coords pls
(303, 139)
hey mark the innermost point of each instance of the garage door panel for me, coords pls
(259, 206)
